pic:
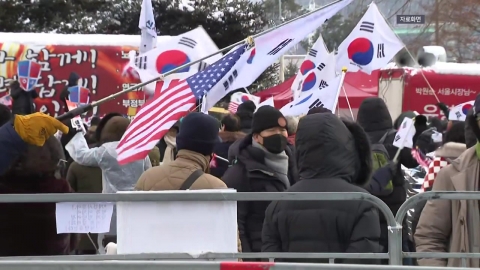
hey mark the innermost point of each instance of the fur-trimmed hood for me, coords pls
(103, 122)
(230, 136)
(328, 147)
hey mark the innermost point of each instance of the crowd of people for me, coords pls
(253, 150)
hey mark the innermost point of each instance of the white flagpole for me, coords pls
(344, 72)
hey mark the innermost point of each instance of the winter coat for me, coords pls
(29, 229)
(452, 225)
(154, 156)
(448, 152)
(11, 146)
(221, 149)
(85, 179)
(115, 177)
(250, 174)
(374, 117)
(171, 176)
(331, 157)
(22, 103)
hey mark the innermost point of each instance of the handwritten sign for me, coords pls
(84, 217)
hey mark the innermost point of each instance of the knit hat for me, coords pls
(318, 110)
(198, 133)
(102, 123)
(247, 106)
(267, 117)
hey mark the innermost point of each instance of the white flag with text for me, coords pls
(146, 23)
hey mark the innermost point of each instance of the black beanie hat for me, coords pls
(102, 123)
(247, 106)
(318, 110)
(198, 133)
(267, 117)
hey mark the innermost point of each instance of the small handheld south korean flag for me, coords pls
(371, 44)
(28, 74)
(459, 112)
(404, 136)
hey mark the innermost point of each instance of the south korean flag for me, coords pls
(178, 51)
(316, 71)
(371, 44)
(326, 98)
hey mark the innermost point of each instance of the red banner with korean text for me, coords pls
(451, 89)
(100, 69)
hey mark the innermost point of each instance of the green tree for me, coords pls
(226, 21)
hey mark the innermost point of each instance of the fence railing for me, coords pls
(176, 265)
(395, 254)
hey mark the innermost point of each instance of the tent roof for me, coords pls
(358, 86)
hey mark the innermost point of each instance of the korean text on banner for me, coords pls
(404, 136)
(83, 217)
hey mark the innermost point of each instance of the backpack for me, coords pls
(381, 158)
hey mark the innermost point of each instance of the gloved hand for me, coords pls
(444, 108)
(37, 128)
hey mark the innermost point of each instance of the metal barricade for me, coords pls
(394, 236)
(436, 195)
(173, 265)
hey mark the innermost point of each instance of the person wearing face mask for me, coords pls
(262, 163)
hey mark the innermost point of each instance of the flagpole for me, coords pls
(86, 108)
(344, 72)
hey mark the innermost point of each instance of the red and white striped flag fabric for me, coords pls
(233, 107)
(238, 98)
(160, 113)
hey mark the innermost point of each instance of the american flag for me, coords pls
(6, 100)
(422, 159)
(233, 107)
(160, 113)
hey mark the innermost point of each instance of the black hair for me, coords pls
(95, 121)
(456, 133)
(231, 122)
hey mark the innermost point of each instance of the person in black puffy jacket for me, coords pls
(262, 163)
(333, 155)
(374, 117)
(22, 103)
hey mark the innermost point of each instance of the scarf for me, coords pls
(278, 163)
(169, 154)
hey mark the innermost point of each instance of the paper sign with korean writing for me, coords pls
(83, 217)
(28, 74)
(404, 136)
